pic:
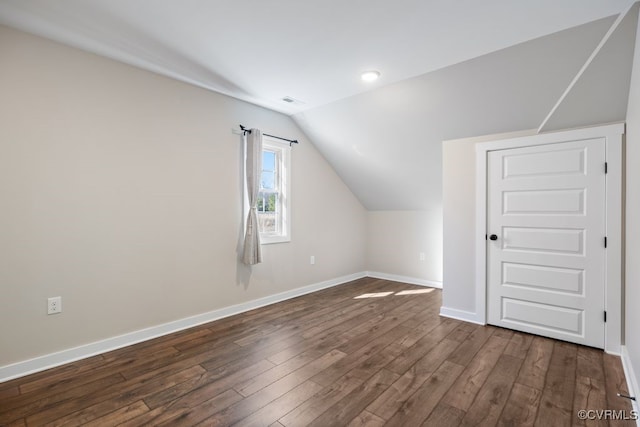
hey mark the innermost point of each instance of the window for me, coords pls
(273, 197)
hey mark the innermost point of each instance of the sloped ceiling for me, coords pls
(600, 91)
(449, 69)
(311, 50)
(386, 143)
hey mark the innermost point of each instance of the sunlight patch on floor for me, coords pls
(374, 295)
(385, 294)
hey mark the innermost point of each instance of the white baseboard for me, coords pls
(632, 380)
(405, 279)
(466, 316)
(52, 360)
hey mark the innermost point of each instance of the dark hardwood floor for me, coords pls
(329, 359)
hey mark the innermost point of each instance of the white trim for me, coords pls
(481, 230)
(284, 179)
(632, 383)
(613, 298)
(405, 279)
(466, 316)
(614, 303)
(52, 360)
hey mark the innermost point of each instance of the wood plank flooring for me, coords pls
(329, 359)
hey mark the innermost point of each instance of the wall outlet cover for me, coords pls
(54, 305)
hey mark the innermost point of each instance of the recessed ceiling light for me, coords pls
(369, 76)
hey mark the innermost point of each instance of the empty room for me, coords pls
(319, 213)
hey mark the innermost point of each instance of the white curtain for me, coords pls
(253, 169)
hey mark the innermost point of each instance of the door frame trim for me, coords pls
(613, 134)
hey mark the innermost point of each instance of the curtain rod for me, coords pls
(290, 141)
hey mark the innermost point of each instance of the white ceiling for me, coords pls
(450, 69)
(311, 50)
(386, 144)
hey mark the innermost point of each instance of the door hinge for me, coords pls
(606, 167)
(485, 237)
(605, 316)
(605, 241)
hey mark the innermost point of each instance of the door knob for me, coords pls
(493, 237)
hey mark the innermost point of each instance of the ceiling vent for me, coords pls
(291, 100)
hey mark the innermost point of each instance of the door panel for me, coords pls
(556, 162)
(546, 269)
(562, 320)
(550, 240)
(554, 202)
(544, 278)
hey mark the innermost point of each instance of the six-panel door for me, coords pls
(546, 269)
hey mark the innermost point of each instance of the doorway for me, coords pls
(543, 210)
(545, 249)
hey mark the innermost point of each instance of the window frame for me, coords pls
(283, 186)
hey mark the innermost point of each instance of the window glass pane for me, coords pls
(267, 201)
(268, 160)
(268, 177)
(267, 212)
(267, 180)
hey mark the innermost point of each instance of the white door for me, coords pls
(546, 237)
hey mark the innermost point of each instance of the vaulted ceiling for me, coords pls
(449, 69)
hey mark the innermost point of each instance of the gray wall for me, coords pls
(395, 240)
(120, 191)
(459, 213)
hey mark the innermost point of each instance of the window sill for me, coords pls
(269, 240)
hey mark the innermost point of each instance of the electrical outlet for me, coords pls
(312, 260)
(54, 305)
(422, 256)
